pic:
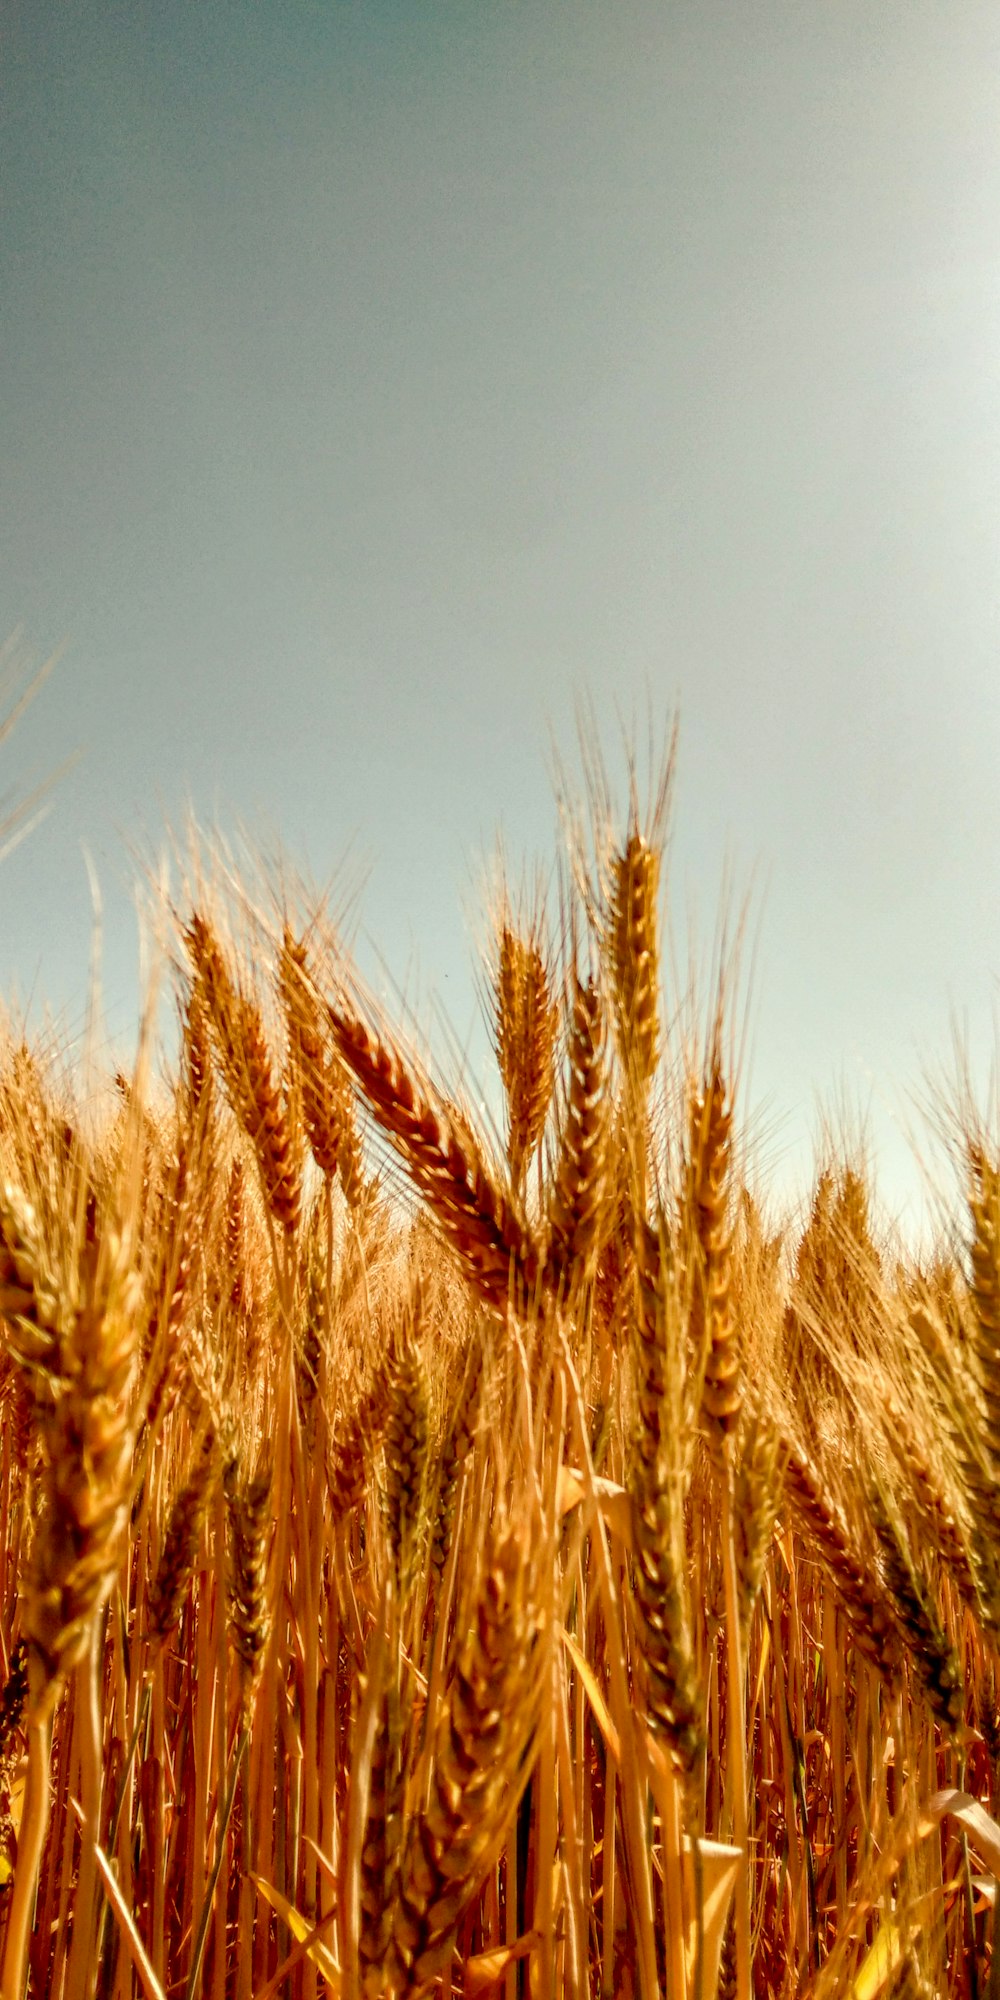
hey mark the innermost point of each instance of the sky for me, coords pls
(378, 382)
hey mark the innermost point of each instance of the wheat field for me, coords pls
(444, 1561)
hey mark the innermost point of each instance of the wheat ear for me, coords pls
(634, 954)
(250, 1523)
(181, 1541)
(327, 1111)
(380, 1848)
(873, 1625)
(81, 1361)
(525, 1038)
(455, 1448)
(580, 1184)
(659, 1584)
(77, 1336)
(755, 1511)
(476, 1216)
(934, 1659)
(713, 1320)
(405, 1448)
(249, 1074)
(480, 1756)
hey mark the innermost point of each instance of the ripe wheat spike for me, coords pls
(526, 1028)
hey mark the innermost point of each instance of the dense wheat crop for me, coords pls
(435, 1561)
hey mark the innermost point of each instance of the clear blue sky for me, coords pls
(374, 378)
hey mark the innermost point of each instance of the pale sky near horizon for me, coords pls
(376, 380)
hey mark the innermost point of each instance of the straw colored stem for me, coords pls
(736, 1755)
(81, 1967)
(31, 1844)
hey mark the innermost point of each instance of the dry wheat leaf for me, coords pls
(301, 1929)
(885, 1954)
(977, 1822)
(718, 1869)
(487, 1968)
(614, 1504)
(594, 1696)
(879, 1963)
(136, 1949)
(570, 1489)
(324, 1861)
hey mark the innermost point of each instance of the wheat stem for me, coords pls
(31, 1845)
